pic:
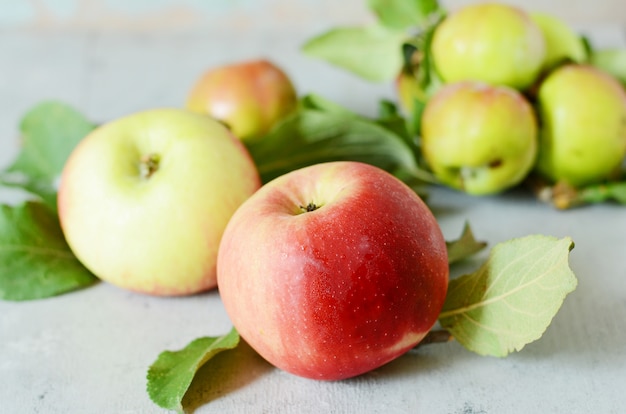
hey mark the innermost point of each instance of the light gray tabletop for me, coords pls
(89, 351)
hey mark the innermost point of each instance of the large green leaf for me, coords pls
(35, 260)
(320, 132)
(371, 52)
(511, 300)
(49, 132)
(171, 374)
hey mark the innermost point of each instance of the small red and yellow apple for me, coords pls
(333, 270)
(143, 200)
(479, 138)
(583, 134)
(250, 97)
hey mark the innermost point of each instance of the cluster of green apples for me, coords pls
(515, 93)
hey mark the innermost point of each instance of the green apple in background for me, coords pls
(249, 97)
(479, 138)
(611, 60)
(408, 91)
(562, 42)
(490, 42)
(583, 115)
(143, 200)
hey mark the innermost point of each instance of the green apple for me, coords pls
(583, 115)
(249, 97)
(333, 270)
(562, 43)
(479, 138)
(143, 200)
(490, 42)
(409, 91)
(611, 60)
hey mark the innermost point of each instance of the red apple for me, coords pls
(249, 97)
(333, 270)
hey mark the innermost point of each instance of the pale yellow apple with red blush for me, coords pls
(143, 200)
(250, 97)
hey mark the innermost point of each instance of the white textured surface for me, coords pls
(88, 351)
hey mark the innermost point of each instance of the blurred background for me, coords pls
(249, 14)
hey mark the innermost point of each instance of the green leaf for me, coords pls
(35, 260)
(49, 132)
(171, 374)
(563, 196)
(465, 246)
(510, 301)
(612, 61)
(371, 52)
(311, 136)
(610, 191)
(403, 14)
(316, 102)
(43, 189)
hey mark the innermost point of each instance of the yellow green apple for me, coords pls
(250, 97)
(143, 200)
(479, 138)
(611, 60)
(563, 44)
(333, 270)
(490, 42)
(582, 111)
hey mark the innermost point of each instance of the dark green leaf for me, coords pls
(403, 14)
(171, 374)
(465, 246)
(312, 136)
(371, 52)
(35, 260)
(511, 300)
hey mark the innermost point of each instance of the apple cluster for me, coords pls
(514, 94)
(328, 271)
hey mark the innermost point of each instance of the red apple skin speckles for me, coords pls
(338, 291)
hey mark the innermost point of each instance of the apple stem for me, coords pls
(309, 207)
(434, 337)
(149, 165)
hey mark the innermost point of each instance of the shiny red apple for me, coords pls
(333, 270)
